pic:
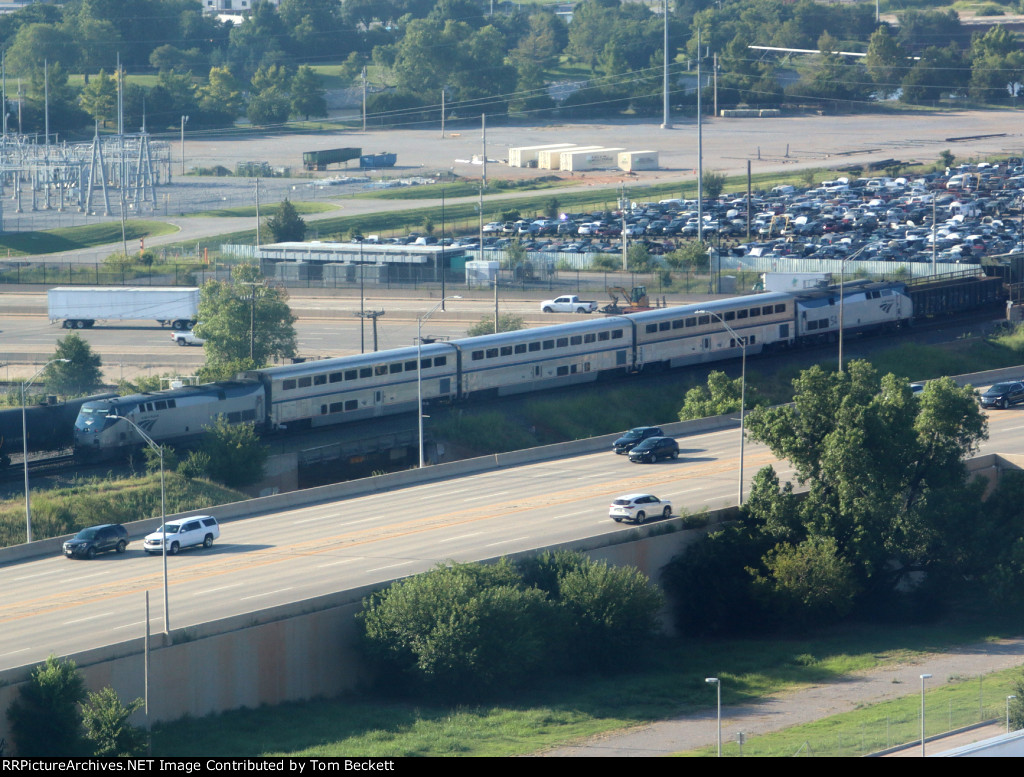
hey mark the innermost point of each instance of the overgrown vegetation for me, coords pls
(67, 509)
(470, 631)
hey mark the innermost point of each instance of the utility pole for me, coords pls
(700, 154)
(373, 315)
(364, 99)
(666, 118)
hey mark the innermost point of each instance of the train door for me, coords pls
(378, 401)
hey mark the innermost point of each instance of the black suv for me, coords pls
(97, 539)
(654, 448)
(635, 436)
(1003, 394)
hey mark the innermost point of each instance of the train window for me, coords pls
(171, 403)
(562, 342)
(305, 382)
(234, 417)
(602, 336)
(576, 340)
(616, 334)
(677, 324)
(741, 314)
(337, 407)
(702, 320)
(161, 405)
(351, 404)
(323, 409)
(751, 339)
(586, 366)
(755, 312)
(535, 346)
(248, 415)
(591, 338)
(664, 326)
(521, 348)
(730, 315)
(380, 369)
(564, 370)
(351, 374)
(410, 366)
(492, 353)
(288, 385)
(780, 308)
(319, 380)
(691, 322)
(395, 367)
(651, 328)
(424, 365)
(478, 355)
(440, 361)
(549, 344)
(506, 350)
(365, 372)
(336, 377)
(812, 325)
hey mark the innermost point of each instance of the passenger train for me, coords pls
(351, 388)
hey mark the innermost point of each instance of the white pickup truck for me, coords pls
(186, 338)
(568, 303)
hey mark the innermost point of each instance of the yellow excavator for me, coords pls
(634, 301)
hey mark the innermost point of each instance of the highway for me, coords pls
(327, 325)
(56, 605)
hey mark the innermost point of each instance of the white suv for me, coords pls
(187, 338)
(184, 533)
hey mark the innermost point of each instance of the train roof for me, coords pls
(830, 296)
(317, 366)
(231, 387)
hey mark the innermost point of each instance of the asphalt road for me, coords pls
(55, 605)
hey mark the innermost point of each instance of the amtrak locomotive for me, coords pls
(351, 388)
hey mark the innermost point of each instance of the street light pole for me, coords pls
(743, 391)
(419, 371)
(163, 510)
(923, 678)
(184, 121)
(24, 445)
(718, 683)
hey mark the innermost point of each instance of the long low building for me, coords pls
(355, 262)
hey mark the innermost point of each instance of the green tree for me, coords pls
(107, 728)
(45, 717)
(286, 225)
(886, 62)
(80, 374)
(638, 258)
(551, 207)
(271, 106)
(99, 98)
(996, 62)
(885, 471)
(307, 93)
(221, 100)
(458, 631)
(692, 256)
(35, 44)
(507, 322)
(236, 454)
(720, 396)
(1016, 707)
(227, 312)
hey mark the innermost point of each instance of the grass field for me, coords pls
(79, 238)
(666, 680)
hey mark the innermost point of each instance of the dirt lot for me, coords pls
(770, 144)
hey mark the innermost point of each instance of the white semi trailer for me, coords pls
(79, 307)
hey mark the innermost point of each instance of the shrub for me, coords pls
(45, 718)
(107, 728)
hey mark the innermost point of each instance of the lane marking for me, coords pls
(90, 618)
(460, 537)
(265, 593)
(336, 563)
(206, 591)
(485, 496)
(392, 566)
(506, 542)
